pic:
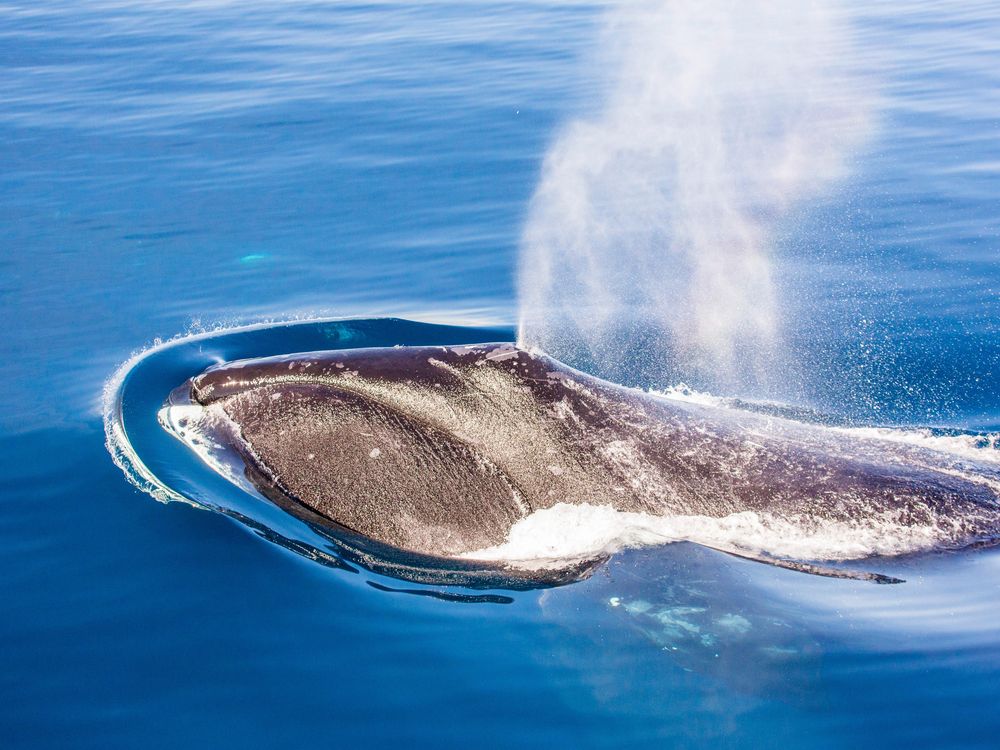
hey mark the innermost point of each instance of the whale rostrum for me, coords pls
(441, 451)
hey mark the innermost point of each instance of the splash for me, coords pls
(648, 248)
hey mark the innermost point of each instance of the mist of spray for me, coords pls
(647, 253)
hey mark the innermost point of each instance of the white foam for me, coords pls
(552, 537)
(683, 392)
(978, 447)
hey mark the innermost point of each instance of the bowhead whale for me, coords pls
(443, 451)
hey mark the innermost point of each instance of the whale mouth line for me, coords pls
(488, 460)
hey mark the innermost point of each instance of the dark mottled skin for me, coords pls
(440, 450)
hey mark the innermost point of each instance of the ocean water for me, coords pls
(184, 169)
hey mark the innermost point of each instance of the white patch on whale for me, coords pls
(549, 538)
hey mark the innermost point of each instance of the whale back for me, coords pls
(442, 450)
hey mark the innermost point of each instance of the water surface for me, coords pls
(173, 167)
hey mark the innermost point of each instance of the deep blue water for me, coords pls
(172, 167)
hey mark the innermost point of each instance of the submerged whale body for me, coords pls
(463, 452)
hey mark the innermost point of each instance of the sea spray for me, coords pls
(648, 251)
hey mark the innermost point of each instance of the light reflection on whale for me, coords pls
(489, 457)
